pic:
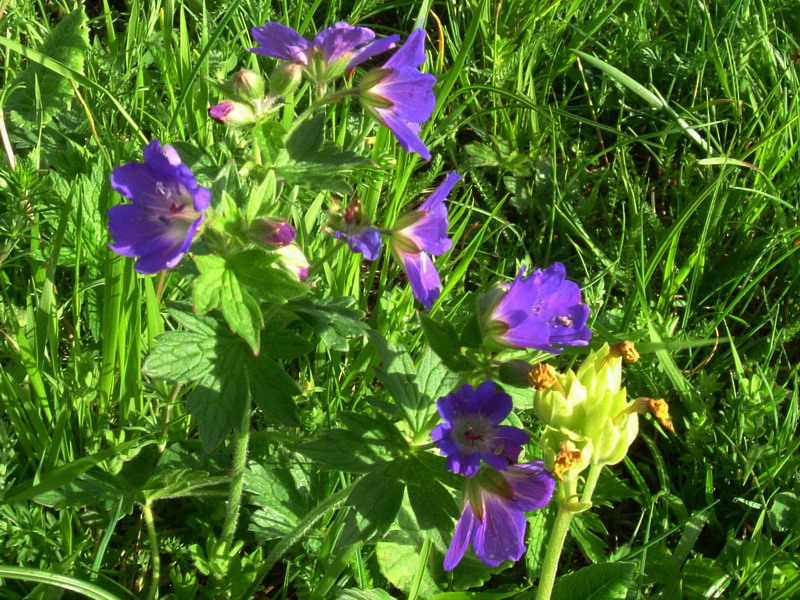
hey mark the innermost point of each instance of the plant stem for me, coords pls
(237, 476)
(298, 532)
(554, 546)
(591, 482)
(155, 558)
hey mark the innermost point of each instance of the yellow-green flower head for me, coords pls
(590, 405)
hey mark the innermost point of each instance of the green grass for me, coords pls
(650, 146)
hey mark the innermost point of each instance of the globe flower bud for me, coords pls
(591, 405)
(232, 114)
(248, 85)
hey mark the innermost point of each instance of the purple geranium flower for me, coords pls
(365, 240)
(421, 232)
(493, 519)
(538, 311)
(399, 96)
(329, 54)
(473, 431)
(165, 212)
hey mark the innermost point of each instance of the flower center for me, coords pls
(472, 437)
(474, 434)
(564, 321)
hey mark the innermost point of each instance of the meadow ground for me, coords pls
(650, 146)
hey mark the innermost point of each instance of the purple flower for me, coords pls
(420, 232)
(329, 54)
(493, 519)
(537, 311)
(365, 240)
(399, 96)
(473, 431)
(165, 212)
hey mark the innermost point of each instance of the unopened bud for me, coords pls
(514, 372)
(232, 114)
(285, 79)
(293, 261)
(248, 85)
(272, 232)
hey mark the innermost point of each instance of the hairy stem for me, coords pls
(554, 547)
(155, 558)
(237, 477)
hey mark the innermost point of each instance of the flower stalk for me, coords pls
(242, 443)
(155, 558)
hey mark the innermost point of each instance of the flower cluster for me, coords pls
(397, 95)
(588, 418)
(414, 238)
(499, 493)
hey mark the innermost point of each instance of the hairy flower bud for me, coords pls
(232, 114)
(272, 232)
(248, 85)
(285, 79)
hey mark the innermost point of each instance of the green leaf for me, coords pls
(443, 339)
(398, 555)
(180, 483)
(181, 356)
(582, 527)
(606, 581)
(415, 389)
(784, 515)
(273, 391)
(377, 497)
(93, 488)
(434, 380)
(218, 285)
(475, 595)
(269, 136)
(307, 138)
(333, 319)
(369, 594)
(282, 344)
(207, 288)
(254, 269)
(536, 543)
(241, 311)
(434, 505)
(277, 493)
(312, 163)
(367, 445)
(222, 364)
(218, 404)
(68, 43)
(191, 320)
(64, 474)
